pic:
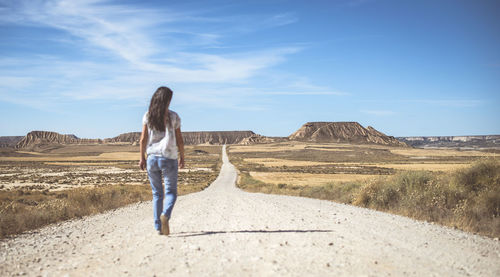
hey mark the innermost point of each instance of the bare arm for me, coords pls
(180, 146)
(143, 144)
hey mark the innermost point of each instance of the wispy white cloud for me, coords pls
(129, 32)
(119, 29)
(130, 50)
(280, 19)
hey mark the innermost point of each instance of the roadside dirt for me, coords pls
(225, 231)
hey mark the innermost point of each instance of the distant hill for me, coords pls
(10, 141)
(216, 137)
(346, 132)
(132, 137)
(39, 138)
(492, 141)
(193, 138)
(343, 132)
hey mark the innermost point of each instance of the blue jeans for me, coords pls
(157, 167)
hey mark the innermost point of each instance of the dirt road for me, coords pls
(225, 231)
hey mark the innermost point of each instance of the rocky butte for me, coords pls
(44, 138)
(132, 138)
(36, 138)
(216, 137)
(344, 132)
(193, 138)
(9, 141)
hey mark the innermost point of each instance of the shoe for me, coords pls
(165, 230)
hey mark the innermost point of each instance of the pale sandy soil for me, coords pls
(66, 178)
(39, 186)
(297, 145)
(223, 231)
(113, 156)
(440, 153)
(329, 149)
(307, 179)
(195, 169)
(266, 148)
(272, 162)
(424, 166)
(280, 162)
(109, 163)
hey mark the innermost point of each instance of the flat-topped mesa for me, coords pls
(132, 138)
(256, 139)
(206, 137)
(216, 137)
(37, 138)
(346, 132)
(9, 141)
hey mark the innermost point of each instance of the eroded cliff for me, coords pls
(216, 137)
(38, 138)
(346, 132)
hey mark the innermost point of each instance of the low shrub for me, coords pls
(468, 199)
(39, 208)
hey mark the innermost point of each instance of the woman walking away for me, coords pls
(161, 140)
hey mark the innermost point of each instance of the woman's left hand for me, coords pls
(181, 162)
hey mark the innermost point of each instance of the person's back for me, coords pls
(161, 140)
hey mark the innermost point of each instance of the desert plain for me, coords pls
(70, 166)
(296, 163)
(225, 230)
(313, 164)
(60, 182)
(349, 173)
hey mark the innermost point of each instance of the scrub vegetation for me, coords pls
(37, 192)
(466, 197)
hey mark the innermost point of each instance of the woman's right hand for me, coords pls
(142, 164)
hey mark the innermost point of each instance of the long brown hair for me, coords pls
(158, 109)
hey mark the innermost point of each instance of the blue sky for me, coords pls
(407, 68)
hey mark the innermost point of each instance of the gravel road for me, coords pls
(225, 231)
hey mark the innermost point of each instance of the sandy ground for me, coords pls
(307, 179)
(223, 231)
(272, 162)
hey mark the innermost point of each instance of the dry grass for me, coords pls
(423, 166)
(31, 173)
(341, 192)
(24, 210)
(44, 188)
(115, 156)
(273, 162)
(423, 153)
(332, 149)
(451, 187)
(281, 162)
(306, 179)
(108, 163)
(468, 199)
(266, 147)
